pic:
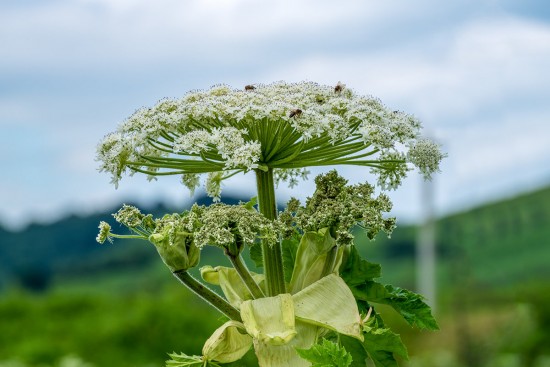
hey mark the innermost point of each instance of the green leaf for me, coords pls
(289, 247)
(183, 360)
(327, 354)
(412, 307)
(355, 270)
(359, 275)
(251, 204)
(356, 349)
(409, 304)
(256, 255)
(370, 291)
(381, 346)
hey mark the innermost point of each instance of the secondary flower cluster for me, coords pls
(219, 225)
(224, 225)
(339, 207)
(283, 126)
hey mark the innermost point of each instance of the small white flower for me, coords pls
(104, 233)
(426, 155)
(129, 215)
(191, 181)
(194, 142)
(292, 176)
(213, 185)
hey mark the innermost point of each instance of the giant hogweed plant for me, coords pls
(315, 302)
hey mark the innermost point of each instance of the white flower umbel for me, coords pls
(278, 131)
(279, 126)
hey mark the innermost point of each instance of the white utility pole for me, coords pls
(425, 247)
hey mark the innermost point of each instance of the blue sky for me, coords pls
(475, 72)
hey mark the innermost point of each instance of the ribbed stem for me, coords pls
(272, 254)
(208, 295)
(244, 273)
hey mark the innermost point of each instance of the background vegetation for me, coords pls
(66, 301)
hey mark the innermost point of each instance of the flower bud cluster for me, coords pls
(339, 207)
(131, 217)
(225, 225)
(179, 237)
(174, 243)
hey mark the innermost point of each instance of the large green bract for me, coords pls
(314, 302)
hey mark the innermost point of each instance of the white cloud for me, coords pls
(13, 111)
(484, 62)
(68, 35)
(481, 84)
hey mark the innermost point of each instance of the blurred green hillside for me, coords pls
(64, 298)
(499, 245)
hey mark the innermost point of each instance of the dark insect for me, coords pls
(339, 87)
(295, 113)
(249, 87)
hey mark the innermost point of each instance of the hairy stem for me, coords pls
(208, 295)
(246, 277)
(272, 254)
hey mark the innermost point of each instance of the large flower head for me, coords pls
(282, 126)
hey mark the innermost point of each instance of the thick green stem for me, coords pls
(208, 295)
(246, 277)
(272, 254)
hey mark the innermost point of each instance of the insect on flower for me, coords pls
(295, 113)
(249, 87)
(339, 87)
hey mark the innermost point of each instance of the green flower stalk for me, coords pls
(174, 244)
(321, 285)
